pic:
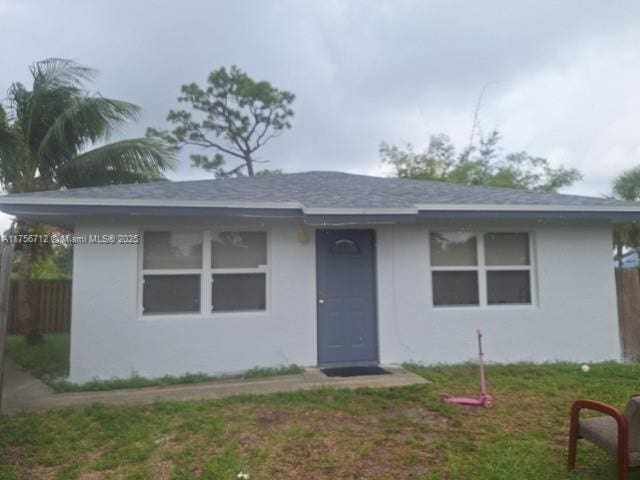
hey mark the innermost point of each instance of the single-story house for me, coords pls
(327, 268)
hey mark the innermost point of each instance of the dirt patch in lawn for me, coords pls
(319, 444)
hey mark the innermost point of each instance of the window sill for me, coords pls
(200, 316)
(483, 308)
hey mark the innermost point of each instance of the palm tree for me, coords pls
(57, 135)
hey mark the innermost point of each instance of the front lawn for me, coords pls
(399, 433)
(49, 362)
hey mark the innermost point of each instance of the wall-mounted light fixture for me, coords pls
(303, 235)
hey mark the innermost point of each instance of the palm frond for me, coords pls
(127, 161)
(85, 120)
(56, 82)
(35, 110)
(60, 72)
(18, 102)
(10, 157)
(8, 141)
(17, 171)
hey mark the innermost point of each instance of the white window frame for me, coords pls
(482, 268)
(206, 273)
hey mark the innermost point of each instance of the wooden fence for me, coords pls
(50, 306)
(628, 288)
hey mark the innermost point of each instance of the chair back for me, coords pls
(632, 414)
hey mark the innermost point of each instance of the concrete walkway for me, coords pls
(20, 387)
(22, 392)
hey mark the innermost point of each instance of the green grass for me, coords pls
(136, 381)
(50, 362)
(403, 433)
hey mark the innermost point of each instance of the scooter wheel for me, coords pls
(487, 403)
(444, 398)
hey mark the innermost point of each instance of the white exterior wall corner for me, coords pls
(575, 316)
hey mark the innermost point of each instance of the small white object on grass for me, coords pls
(243, 476)
(585, 368)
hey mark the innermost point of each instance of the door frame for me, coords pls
(376, 336)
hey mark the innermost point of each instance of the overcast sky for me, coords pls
(563, 77)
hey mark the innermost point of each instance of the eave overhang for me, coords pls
(40, 207)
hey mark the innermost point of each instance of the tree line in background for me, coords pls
(57, 134)
(477, 164)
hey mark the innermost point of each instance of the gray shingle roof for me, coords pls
(323, 190)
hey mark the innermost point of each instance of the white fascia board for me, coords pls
(360, 211)
(528, 208)
(43, 200)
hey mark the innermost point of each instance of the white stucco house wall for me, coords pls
(219, 276)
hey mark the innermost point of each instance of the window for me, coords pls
(508, 268)
(238, 266)
(454, 256)
(239, 292)
(164, 250)
(506, 248)
(475, 269)
(238, 249)
(508, 287)
(455, 288)
(203, 272)
(171, 272)
(171, 293)
(454, 249)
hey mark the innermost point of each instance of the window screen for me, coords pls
(455, 288)
(171, 293)
(238, 292)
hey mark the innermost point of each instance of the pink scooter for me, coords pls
(484, 400)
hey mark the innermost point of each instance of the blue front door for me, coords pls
(347, 326)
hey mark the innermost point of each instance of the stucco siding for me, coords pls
(110, 339)
(573, 317)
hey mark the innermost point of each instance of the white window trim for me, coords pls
(482, 270)
(206, 272)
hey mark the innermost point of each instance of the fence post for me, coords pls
(6, 261)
